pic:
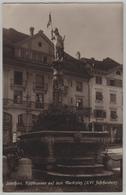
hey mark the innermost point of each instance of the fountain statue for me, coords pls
(59, 46)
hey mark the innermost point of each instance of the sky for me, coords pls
(95, 30)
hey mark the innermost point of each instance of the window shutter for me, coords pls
(104, 114)
(108, 81)
(95, 113)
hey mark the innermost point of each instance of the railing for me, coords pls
(17, 85)
(9, 103)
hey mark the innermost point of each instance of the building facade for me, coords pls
(106, 97)
(91, 88)
(28, 81)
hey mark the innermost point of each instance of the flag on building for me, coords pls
(50, 21)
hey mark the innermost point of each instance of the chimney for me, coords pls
(78, 55)
(31, 31)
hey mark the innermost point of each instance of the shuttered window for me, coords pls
(114, 82)
(112, 98)
(100, 113)
(99, 96)
(79, 86)
(18, 78)
(113, 115)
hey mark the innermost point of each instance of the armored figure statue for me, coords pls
(59, 46)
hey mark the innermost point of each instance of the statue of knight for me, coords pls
(59, 45)
(58, 82)
(58, 39)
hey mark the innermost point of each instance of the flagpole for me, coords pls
(51, 23)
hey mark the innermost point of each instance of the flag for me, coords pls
(50, 21)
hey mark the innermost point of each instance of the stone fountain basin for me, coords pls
(63, 144)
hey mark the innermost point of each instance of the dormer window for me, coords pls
(118, 72)
(98, 80)
(40, 44)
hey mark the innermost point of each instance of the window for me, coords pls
(79, 86)
(7, 128)
(26, 119)
(45, 60)
(18, 78)
(23, 52)
(40, 44)
(98, 127)
(114, 82)
(34, 118)
(99, 96)
(27, 53)
(112, 98)
(40, 58)
(34, 55)
(7, 120)
(18, 97)
(118, 72)
(99, 113)
(39, 100)
(20, 120)
(71, 100)
(118, 83)
(71, 84)
(98, 80)
(113, 115)
(79, 103)
(39, 84)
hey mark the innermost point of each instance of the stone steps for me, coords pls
(80, 175)
(83, 161)
(78, 169)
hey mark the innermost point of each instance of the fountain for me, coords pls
(59, 145)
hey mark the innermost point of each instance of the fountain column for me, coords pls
(58, 84)
(50, 147)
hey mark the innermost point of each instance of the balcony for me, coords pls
(14, 85)
(26, 105)
(40, 87)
